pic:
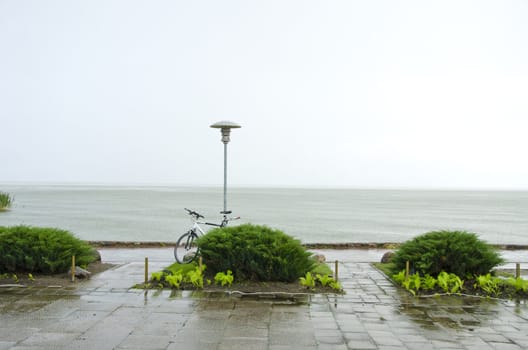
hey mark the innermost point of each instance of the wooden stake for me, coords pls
(517, 270)
(146, 271)
(407, 270)
(336, 271)
(200, 262)
(73, 269)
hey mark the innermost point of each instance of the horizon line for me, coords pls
(259, 186)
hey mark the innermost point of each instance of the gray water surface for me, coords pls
(312, 215)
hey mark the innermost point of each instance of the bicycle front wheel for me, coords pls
(186, 249)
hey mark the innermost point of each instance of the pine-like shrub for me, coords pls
(458, 252)
(45, 250)
(256, 253)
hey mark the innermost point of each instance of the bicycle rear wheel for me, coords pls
(186, 249)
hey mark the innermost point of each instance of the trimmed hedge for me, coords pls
(458, 252)
(256, 253)
(46, 250)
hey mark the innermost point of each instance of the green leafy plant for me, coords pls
(335, 285)
(30, 277)
(174, 280)
(428, 282)
(46, 250)
(457, 252)
(518, 284)
(324, 279)
(5, 201)
(157, 276)
(224, 278)
(399, 277)
(411, 283)
(488, 284)
(256, 253)
(415, 282)
(308, 281)
(196, 277)
(449, 282)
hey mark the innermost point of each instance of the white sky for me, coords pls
(426, 94)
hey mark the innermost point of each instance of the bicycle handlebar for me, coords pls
(198, 216)
(193, 213)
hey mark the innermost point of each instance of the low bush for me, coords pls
(46, 250)
(457, 252)
(256, 253)
(5, 201)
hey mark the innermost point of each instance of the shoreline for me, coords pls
(336, 246)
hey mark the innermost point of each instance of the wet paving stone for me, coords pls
(105, 313)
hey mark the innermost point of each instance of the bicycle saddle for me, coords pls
(226, 212)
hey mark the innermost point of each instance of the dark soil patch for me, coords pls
(56, 280)
(269, 287)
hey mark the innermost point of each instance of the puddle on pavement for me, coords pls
(452, 312)
(285, 298)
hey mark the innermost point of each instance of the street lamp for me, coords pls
(225, 127)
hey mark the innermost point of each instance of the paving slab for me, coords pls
(106, 313)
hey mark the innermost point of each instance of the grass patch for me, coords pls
(322, 269)
(5, 201)
(181, 268)
(385, 268)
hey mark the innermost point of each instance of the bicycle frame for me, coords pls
(196, 223)
(196, 228)
(189, 245)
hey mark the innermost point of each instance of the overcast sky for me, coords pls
(399, 94)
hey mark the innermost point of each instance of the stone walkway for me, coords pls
(104, 313)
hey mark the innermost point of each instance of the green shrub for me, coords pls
(5, 201)
(46, 250)
(457, 252)
(255, 252)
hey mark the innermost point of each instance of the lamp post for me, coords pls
(225, 127)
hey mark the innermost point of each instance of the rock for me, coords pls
(387, 257)
(97, 255)
(80, 272)
(320, 258)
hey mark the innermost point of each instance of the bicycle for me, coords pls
(186, 249)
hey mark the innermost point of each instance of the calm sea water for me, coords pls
(312, 215)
